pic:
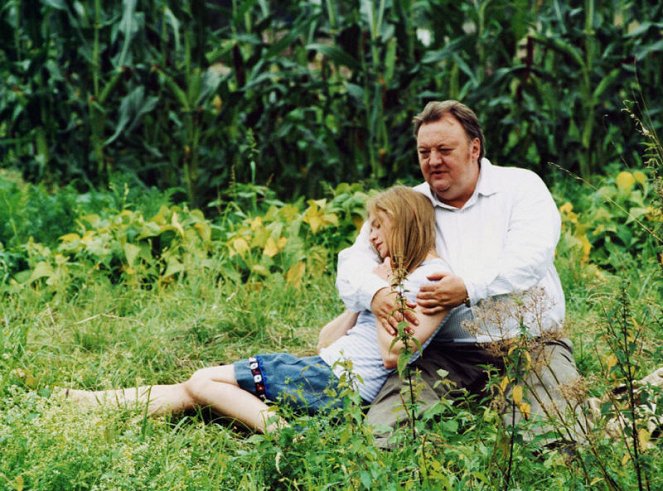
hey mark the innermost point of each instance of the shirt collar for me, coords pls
(486, 185)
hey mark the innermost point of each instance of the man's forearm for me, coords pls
(355, 280)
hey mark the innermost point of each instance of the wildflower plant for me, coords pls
(411, 344)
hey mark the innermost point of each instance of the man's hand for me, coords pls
(383, 307)
(447, 292)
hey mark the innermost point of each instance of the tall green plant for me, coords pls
(169, 91)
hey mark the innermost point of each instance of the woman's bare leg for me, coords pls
(160, 399)
(214, 387)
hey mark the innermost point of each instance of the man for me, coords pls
(497, 228)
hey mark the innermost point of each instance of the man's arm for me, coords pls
(355, 280)
(336, 328)
(526, 256)
(534, 227)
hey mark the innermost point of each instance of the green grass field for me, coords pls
(96, 324)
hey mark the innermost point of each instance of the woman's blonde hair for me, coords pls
(412, 218)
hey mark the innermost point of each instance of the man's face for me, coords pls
(448, 160)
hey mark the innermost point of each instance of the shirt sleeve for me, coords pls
(533, 230)
(355, 280)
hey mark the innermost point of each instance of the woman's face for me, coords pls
(380, 230)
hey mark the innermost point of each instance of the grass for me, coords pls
(109, 336)
(95, 333)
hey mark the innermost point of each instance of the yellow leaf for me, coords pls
(281, 243)
(289, 213)
(217, 103)
(270, 249)
(256, 223)
(566, 207)
(19, 483)
(177, 225)
(70, 237)
(640, 177)
(625, 459)
(586, 247)
(611, 361)
(316, 217)
(295, 274)
(525, 409)
(204, 231)
(240, 246)
(260, 269)
(313, 217)
(517, 394)
(92, 219)
(358, 222)
(528, 360)
(625, 181)
(643, 438)
(503, 384)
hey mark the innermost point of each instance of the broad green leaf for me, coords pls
(605, 83)
(129, 26)
(173, 266)
(42, 270)
(132, 108)
(402, 363)
(56, 4)
(131, 252)
(174, 24)
(643, 51)
(390, 60)
(336, 54)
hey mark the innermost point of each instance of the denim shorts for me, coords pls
(300, 383)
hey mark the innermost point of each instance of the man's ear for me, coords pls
(475, 148)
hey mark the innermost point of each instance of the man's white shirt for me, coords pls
(501, 242)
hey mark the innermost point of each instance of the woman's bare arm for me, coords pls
(390, 351)
(337, 328)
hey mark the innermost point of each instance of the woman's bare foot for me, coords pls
(82, 397)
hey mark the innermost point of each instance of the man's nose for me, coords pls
(435, 157)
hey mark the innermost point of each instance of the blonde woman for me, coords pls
(403, 235)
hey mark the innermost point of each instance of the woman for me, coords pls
(403, 235)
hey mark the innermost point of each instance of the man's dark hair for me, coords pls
(436, 110)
